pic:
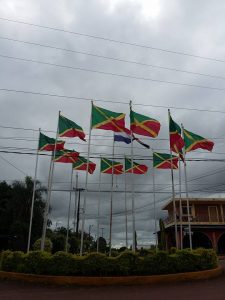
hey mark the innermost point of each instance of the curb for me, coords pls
(116, 281)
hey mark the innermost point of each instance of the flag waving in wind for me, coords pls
(176, 140)
(48, 144)
(163, 161)
(81, 164)
(66, 156)
(111, 167)
(137, 168)
(193, 141)
(68, 128)
(143, 125)
(107, 120)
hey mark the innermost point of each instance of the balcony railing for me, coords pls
(193, 219)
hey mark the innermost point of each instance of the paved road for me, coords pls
(213, 289)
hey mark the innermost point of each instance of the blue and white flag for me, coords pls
(122, 137)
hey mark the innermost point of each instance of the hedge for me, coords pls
(96, 264)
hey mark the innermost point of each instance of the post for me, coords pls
(78, 212)
(125, 178)
(51, 171)
(86, 184)
(99, 194)
(154, 203)
(181, 212)
(33, 195)
(187, 195)
(173, 190)
(68, 216)
(111, 202)
(132, 191)
(75, 203)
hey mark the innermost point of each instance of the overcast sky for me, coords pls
(194, 28)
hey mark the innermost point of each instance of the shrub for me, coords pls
(94, 264)
(12, 261)
(37, 262)
(62, 263)
(47, 247)
(128, 263)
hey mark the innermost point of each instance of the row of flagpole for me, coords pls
(49, 190)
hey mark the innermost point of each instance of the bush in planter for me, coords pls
(208, 258)
(128, 263)
(186, 261)
(37, 262)
(62, 263)
(12, 261)
(95, 264)
(47, 247)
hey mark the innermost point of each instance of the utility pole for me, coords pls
(89, 230)
(78, 208)
(102, 229)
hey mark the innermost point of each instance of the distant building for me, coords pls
(207, 219)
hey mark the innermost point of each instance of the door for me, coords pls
(213, 214)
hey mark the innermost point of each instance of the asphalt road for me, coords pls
(213, 289)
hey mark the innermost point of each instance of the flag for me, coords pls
(66, 156)
(137, 168)
(81, 164)
(176, 140)
(68, 128)
(143, 125)
(107, 120)
(111, 167)
(140, 142)
(193, 141)
(163, 161)
(122, 137)
(48, 144)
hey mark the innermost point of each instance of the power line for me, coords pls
(112, 40)
(114, 74)
(112, 58)
(108, 101)
(8, 162)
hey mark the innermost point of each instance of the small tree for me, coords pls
(47, 247)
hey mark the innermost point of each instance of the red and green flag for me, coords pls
(163, 161)
(137, 168)
(193, 141)
(66, 156)
(143, 125)
(81, 164)
(48, 144)
(176, 140)
(68, 128)
(111, 167)
(107, 120)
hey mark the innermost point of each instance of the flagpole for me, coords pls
(99, 193)
(187, 194)
(125, 201)
(181, 213)
(68, 217)
(33, 194)
(132, 189)
(154, 202)
(173, 190)
(111, 202)
(86, 184)
(51, 171)
(75, 204)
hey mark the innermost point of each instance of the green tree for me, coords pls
(15, 205)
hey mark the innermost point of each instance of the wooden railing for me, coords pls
(193, 219)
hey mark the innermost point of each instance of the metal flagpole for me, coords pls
(181, 212)
(86, 184)
(75, 204)
(99, 194)
(187, 195)
(68, 217)
(125, 177)
(33, 195)
(132, 190)
(154, 202)
(173, 190)
(111, 201)
(51, 171)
